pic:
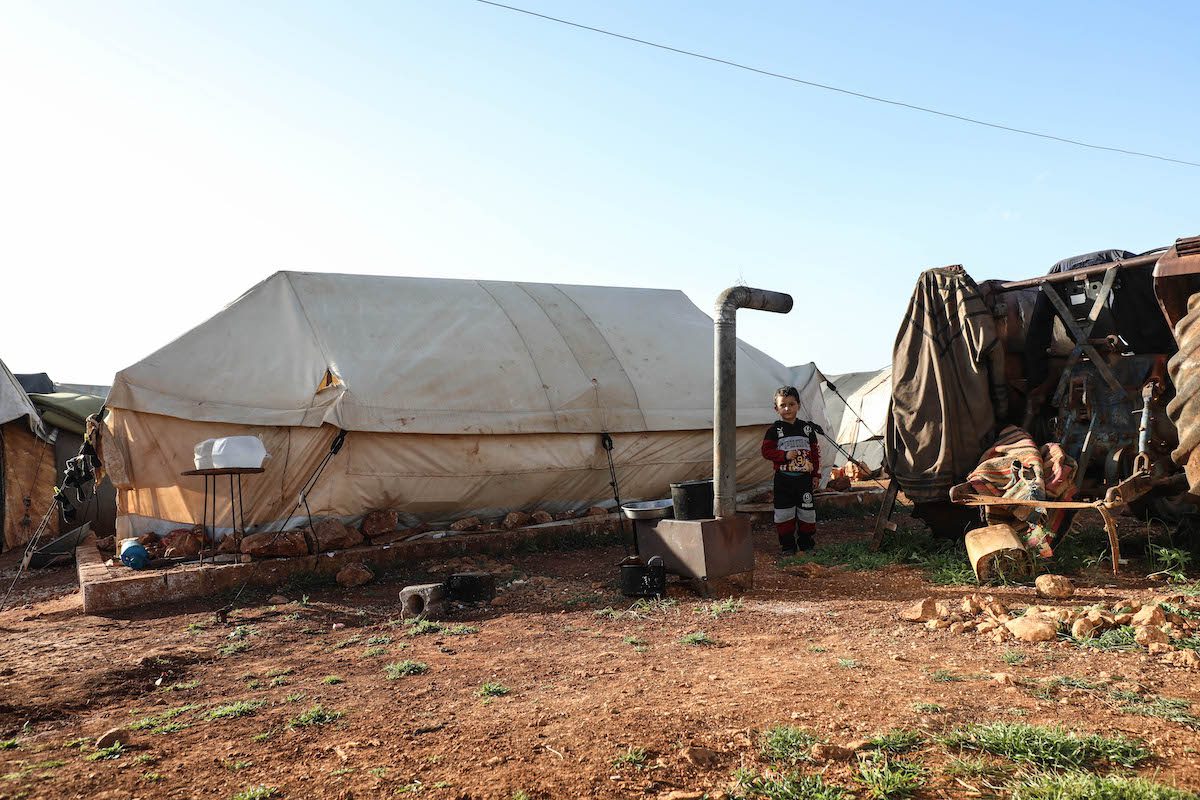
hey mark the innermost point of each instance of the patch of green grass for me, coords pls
(423, 627)
(295, 697)
(1050, 748)
(719, 608)
(380, 639)
(636, 757)
(816, 648)
(898, 740)
(748, 784)
(608, 613)
(107, 753)
(944, 676)
(351, 640)
(238, 766)
(1087, 786)
(635, 641)
(279, 672)
(460, 630)
(316, 716)
(180, 687)
(1013, 657)
(402, 668)
(928, 708)
(332, 680)
(154, 777)
(942, 562)
(242, 708)
(521, 794)
(493, 690)
(787, 744)
(1168, 708)
(975, 768)
(1121, 638)
(196, 627)
(372, 652)
(242, 631)
(256, 793)
(161, 722)
(697, 639)
(234, 647)
(262, 737)
(848, 663)
(77, 742)
(10, 744)
(890, 780)
(657, 605)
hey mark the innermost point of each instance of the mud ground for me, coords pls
(597, 704)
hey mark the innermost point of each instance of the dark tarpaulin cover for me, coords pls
(947, 386)
(35, 382)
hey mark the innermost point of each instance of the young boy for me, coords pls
(791, 445)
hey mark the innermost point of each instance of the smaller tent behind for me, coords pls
(858, 423)
(27, 469)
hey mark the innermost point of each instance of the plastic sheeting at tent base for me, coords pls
(428, 477)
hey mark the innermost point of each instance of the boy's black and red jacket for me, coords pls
(801, 436)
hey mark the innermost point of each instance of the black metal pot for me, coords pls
(644, 580)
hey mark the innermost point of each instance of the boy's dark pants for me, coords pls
(795, 514)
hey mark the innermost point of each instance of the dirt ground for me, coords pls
(597, 704)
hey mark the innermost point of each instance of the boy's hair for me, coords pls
(786, 391)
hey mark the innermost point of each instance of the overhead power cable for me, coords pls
(838, 89)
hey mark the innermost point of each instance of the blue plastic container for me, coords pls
(134, 555)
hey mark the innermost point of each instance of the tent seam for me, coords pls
(528, 351)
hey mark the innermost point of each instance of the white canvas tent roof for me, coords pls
(867, 396)
(14, 402)
(426, 355)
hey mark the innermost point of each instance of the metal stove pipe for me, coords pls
(725, 386)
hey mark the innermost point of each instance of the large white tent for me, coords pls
(461, 397)
(857, 424)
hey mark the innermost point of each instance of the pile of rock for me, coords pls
(383, 527)
(1158, 624)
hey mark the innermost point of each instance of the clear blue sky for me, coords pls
(159, 158)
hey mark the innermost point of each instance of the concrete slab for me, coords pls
(108, 589)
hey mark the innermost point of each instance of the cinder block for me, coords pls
(423, 600)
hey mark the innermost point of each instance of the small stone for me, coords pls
(494, 761)
(332, 534)
(1148, 615)
(541, 517)
(937, 624)
(111, 737)
(353, 575)
(515, 519)
(1145, 635)
(831, 752)
(923, 611)
(1158, 648)
(942, 608)
(1055, 587)
(466, 524)
(277, 600)
(701, 757)
(275, 544)
(957, 627)
(1003, 678)
(1083, 628)
(594, 511)
(378, 523)
(1033, 628)
(682, 794)
(987, 626)
(970, 606)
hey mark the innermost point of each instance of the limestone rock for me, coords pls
(682, 794)
(275, 544)
(701, 757)
(1149, 615)
(1033, 628)
(378, 523)
(111, 737)
(540, 517)
(831, 752)
(957, 628)
(1145, 635)
(1083, 628)
(923, 611)
(230, 543)
(353, 575)
(970, 606)
(278, 600)
(331, 534)
(594, 511)
(1188, 659)
(942, 608)
(465, 524)
(1158, 648)
(1003, 678)
(515, 519)
(1055, 587)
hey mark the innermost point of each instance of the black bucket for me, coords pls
(692, 499)
(644, 580)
